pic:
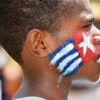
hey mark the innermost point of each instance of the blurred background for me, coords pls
(12, 73)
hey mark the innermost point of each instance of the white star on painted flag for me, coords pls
(86, 44)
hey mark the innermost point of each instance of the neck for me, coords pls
(49, 88)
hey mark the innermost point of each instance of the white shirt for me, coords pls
(31, 98)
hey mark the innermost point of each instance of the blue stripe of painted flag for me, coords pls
(68, 52)
(75, 70)
(52, 55)
(69, 63)
(73, 67)
(65, 56)
(66, 61)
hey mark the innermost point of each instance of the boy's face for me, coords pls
(82, 19)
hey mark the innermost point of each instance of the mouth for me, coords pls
(98, 59)
(98, 54)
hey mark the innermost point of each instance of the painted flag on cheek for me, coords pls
(72, 54)
(66, 58)
(84, 45)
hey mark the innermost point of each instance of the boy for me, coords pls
(34, 32)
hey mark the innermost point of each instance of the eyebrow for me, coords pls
(87, 20)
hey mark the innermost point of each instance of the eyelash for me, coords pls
(87, 26)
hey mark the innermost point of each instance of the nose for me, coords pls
(96, 38)
(96, 35)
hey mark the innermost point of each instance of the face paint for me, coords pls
(84, 45)
(73, 53)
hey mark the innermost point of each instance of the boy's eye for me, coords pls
(87, 26)
(89, 23)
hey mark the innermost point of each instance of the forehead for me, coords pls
(78, 9)
(80, 2)
(84, 11)
(83, 4)
(76, 5)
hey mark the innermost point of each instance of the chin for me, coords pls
(94, 78)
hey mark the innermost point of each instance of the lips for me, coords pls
(98, 59)
(98, 55)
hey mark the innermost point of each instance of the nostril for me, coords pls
(98, 43)
(96, 40)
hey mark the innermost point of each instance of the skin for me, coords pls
(41, 78)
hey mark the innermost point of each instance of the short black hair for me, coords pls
(18, 17)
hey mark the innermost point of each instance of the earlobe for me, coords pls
(36, 43)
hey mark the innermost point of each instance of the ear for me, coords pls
(38, 43)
